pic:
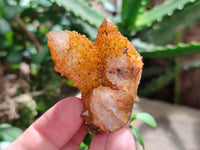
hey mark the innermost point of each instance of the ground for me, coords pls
(177, 126)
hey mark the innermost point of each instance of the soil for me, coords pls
(178, 127)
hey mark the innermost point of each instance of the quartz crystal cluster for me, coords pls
(107, 72)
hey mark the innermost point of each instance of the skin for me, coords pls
(61, 127)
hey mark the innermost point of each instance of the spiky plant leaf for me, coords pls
(172, 50)
(191, 64)
(108, 6)
(159, 82)
(82, 10)
(166, 30)
(158, 13)
(9, 132)
(130, 11)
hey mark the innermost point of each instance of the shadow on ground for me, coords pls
(178, 127)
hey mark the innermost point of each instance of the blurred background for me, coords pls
(165, 32)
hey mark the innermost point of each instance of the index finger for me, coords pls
(53, 129)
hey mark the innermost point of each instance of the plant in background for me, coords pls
(145, 117)
(23, 31)
(8, 134)
(26, 109)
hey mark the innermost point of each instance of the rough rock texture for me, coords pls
(107, 72)
(178, 127)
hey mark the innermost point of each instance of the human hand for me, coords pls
(61, 127)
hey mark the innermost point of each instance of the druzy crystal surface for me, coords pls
(107, 72)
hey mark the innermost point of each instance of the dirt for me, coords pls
(177, 126)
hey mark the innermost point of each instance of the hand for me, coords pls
(61, 127)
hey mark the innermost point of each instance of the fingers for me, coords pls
(118, 140)
(75, 141)
(98, 142)
(55, 128)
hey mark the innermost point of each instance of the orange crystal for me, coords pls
(107, 72)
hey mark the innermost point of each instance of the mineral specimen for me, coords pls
(107, 72)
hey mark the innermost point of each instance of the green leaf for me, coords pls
(118, 5)
(34, 68)
(108, 6)
(159, 82)
(191, 64)
(158, 13)
(65, 21)
(69, 83)
(166, 31)
(45, 3)
(14, 57)
(82, 10)
(4, 144)
(42, 107)
(88, 30)
(9, 133)
(88, 138)
(57, 27)
(130, 11)
(15, 66)
(4, 26)
(9, 11)
(147, 118)
(9, 37)
(40, 57)
(172, 50)
(133, 116)
(137, 135)
(83, 146)
(142, 46)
